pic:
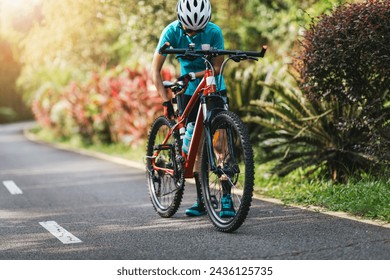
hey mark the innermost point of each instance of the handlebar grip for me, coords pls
(263, 50)
(166, 50)
(251, 53)
(163, 48)
(258, 54)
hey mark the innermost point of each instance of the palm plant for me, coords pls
(312, 135)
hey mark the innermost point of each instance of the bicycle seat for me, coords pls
(169, 84)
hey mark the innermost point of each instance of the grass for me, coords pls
(367, 197)
(135, 153)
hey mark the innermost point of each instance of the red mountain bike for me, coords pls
(227, 166)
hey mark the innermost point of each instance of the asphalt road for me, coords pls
(101, 210)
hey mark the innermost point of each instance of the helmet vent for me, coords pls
(190, 21)
(201, 20)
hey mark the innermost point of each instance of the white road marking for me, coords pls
(12, 187)
(62, 234)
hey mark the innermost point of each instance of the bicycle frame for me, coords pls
(206, 87)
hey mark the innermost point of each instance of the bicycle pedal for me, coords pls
(214, 201)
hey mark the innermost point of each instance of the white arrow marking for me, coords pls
(62, 234)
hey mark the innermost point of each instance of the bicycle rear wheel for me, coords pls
(164, 172)
(227, 190)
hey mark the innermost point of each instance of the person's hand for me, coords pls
(169, 113)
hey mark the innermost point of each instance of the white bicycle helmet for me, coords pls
(194, 14)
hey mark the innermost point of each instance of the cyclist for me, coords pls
(193, 26)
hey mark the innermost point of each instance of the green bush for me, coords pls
(346, 62)
(340, 123)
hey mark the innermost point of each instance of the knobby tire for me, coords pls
(165, 191)
(237, 166)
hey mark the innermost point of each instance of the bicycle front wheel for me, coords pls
(228, 187)
(165, 175)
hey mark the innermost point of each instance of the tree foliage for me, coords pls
(12, 107)
(351, 69)
(71, 38)
(340, 118)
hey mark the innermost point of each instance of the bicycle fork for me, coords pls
(225, 172)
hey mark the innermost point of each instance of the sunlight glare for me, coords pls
(7, 5)
(12, 11)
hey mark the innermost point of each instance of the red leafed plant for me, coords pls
(107, 108)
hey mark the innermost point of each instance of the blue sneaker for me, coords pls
(227, 209)
(196, 210)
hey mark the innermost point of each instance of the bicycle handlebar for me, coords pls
(190, 52)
